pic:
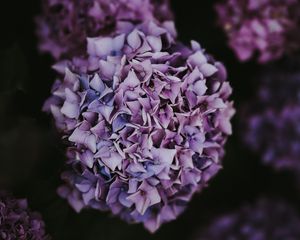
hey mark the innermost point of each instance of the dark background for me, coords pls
(32, 156)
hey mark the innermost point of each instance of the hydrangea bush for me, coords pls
(268, 28)
(271, 121)
(18, 222)
(266, 219)
(145, 120)
(64, 25)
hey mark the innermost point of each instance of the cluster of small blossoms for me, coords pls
(145, 119)
(18, 222)
(64, 25)
(267, 27)
(272, 120)
(265, 220)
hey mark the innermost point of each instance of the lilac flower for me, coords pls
(265, 219)
(268, 28)
(272, 120)
(64, 25)
(146, 119)
(18, 222)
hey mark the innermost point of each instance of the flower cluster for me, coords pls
(272, 121)
(65, 24)
(18, 222)
(265, 220)
(266, 27)
(146, 120)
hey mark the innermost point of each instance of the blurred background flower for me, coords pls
(64, 25)
(266, 219)
(266, 28)
(271, 120)
(17, 221)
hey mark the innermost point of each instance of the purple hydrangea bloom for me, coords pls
(266, 27)
(18, 222)
(146, 120)
(266, 219)
(65, 24)
(272, 120)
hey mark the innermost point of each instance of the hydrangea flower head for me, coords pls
(65, 24)
(272, 119)
(268, 28)
(146, 120)
(265, 220)
(18, 222)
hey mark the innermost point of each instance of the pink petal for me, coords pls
(155, 43)
(113, 161)
(97, 84)
(107, 69)
(208, 69)
(197, 59)
(134, 40)
(141, 203)
(99, 46)
(164, 155)
(200, 87)
(88, 158)
(131, 80)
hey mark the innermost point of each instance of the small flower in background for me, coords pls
(64, 25)
(269, 28)
(145, 119)
(17, 221)
(266, 219)
(272, 120)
